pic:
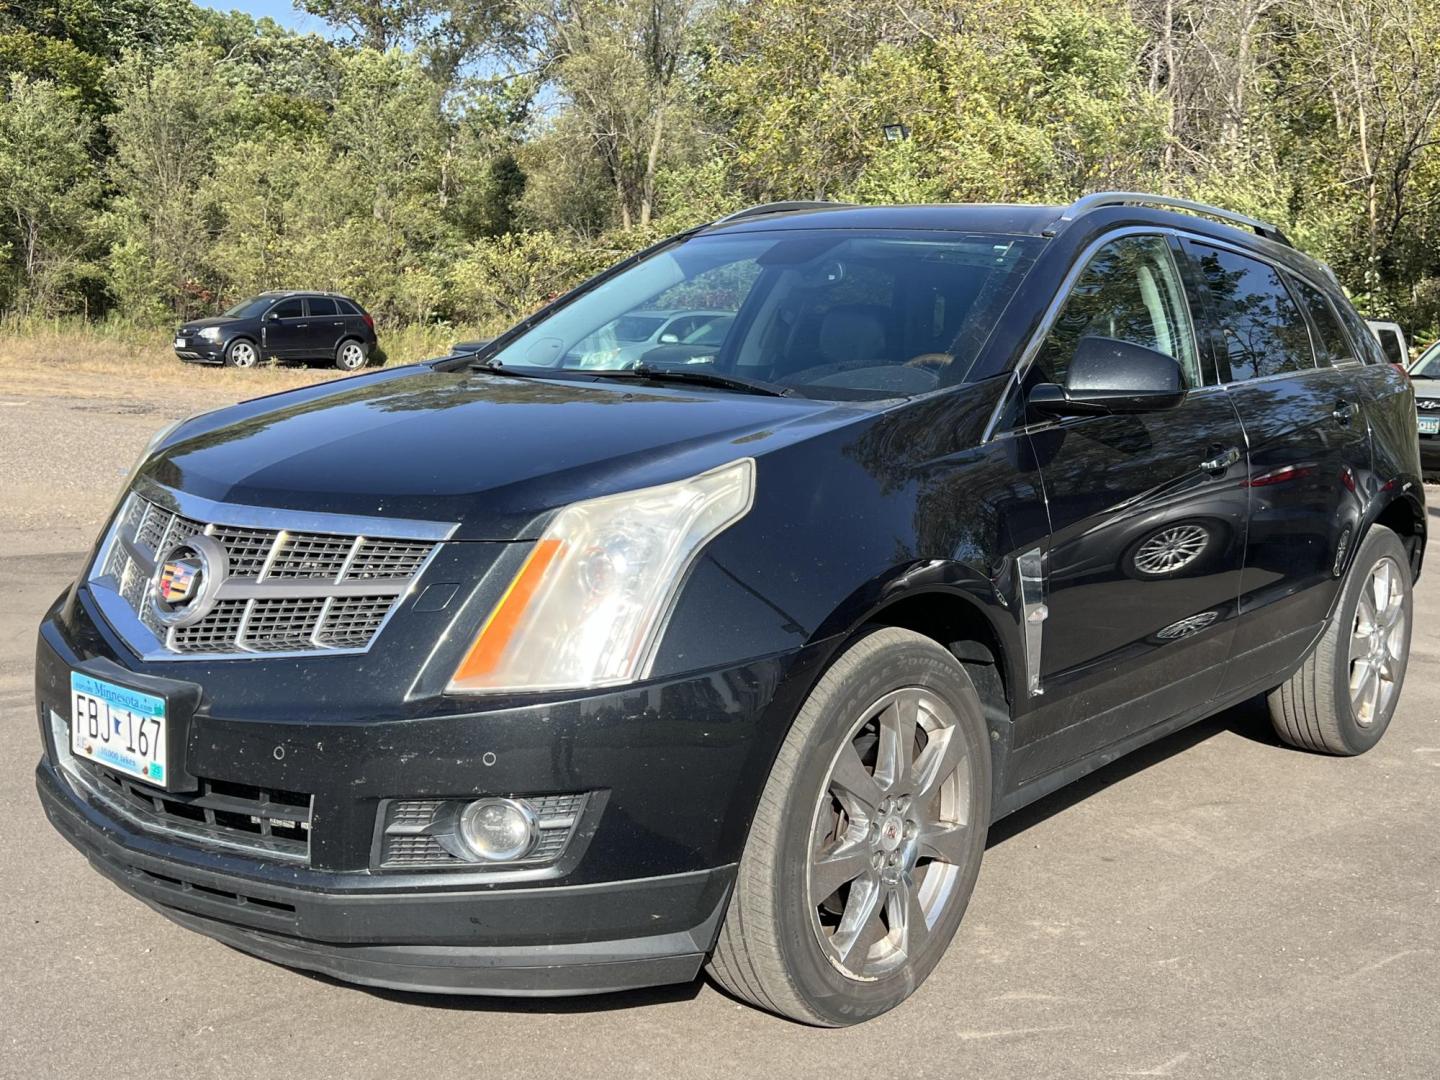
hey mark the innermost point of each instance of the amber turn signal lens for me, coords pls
(489, 648)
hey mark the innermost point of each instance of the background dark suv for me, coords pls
(282, 326)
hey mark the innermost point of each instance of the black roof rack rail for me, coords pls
(780, 208)
(1099, 199)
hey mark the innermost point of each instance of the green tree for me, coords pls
(48, 191)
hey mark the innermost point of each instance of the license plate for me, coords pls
(117, 727)
(179, 343)
(1430, 425)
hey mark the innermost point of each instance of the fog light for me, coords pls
(498, 830)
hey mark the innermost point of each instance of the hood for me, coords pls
(494, 453)
(199, 324)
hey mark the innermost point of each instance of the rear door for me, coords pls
(1147, 517)
(327, 326)
(1308, 445)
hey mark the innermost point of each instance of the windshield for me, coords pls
(248, 309)
(840, 314)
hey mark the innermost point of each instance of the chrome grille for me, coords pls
(286, 590)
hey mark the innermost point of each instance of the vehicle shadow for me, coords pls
(1248, 719)
(591, 1003)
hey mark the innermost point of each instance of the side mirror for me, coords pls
(272, 316)
(668, 338)
(1110, 376)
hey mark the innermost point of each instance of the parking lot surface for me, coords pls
(1213, 906)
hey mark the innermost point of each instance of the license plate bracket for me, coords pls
(144, 696)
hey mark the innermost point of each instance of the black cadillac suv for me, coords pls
(542, 668)
(282, 326)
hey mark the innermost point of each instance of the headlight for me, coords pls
(210, 333)
(587, 607)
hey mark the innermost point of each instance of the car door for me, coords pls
(1308, 451)
(1147, 513)
(284, 329)
(327, 327)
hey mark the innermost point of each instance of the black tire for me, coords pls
(1314, 709)
(242, 353)
(769, 950)
(351, 354)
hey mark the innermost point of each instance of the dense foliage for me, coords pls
(451, 161)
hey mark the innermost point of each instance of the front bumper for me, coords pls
(198, 351)
(526, 941)
(677, 767)
(1430, 453)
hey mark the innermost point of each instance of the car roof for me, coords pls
(280, 294)
(944, 217)
(1090, 213)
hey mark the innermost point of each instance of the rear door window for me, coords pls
(321, 306)
(1262, 326)
(1332, 346)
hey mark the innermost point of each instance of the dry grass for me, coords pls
(72, 358)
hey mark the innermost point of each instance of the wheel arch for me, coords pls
(958, 621)
(1404, 514)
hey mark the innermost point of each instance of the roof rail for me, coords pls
(779, 208)
(1099, 199)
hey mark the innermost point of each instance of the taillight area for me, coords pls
(369, 319)
(1401, 368)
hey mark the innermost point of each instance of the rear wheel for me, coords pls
(1342, 698)
(350, 355)
(867, 842)
(242, 354)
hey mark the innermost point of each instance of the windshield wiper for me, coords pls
(696, 375)
(641, 373)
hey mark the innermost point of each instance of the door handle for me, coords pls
(1345, 412)
(301, 325)
(1221, 461)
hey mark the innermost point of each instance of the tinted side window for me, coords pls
(1390, 342)
(288, 309)
(322, 305)
(1362, 338)
(1128, 290)
(347, 308)
(1264, 331)
(1331, 346)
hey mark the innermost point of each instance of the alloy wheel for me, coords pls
(1377, 642)
(242, 354)
(889, 834)
(351, 356)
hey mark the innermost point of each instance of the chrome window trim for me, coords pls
(1052, 312)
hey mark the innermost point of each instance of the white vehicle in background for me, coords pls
(1425, 377)
(1392, 340)
(623, 342)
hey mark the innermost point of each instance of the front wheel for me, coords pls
(867, 842)
(242, 354)
(1342, 698)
